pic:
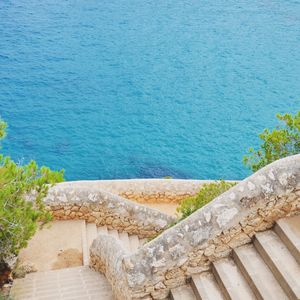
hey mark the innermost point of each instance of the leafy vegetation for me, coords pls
(277, 143)
(5, 297)
(208, 192)
(2, 129)
(19, 217)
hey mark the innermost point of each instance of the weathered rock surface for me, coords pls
(209, 234)
(103, 208)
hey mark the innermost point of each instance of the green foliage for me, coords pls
(280, 142)
(277, 143)
(5, 297)
(19, 217)
(2, 129)
(208, 192)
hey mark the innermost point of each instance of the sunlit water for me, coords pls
(139, 88)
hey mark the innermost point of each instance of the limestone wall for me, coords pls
(103, 208)
(145, 190)
(111, 265)
(209, 234)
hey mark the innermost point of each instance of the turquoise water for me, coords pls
(144, 88)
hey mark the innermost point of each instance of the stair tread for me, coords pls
(91, 230)
(183, 293)
(124, 238)
(81, 282)
(85, 248)
(258, 273)
(288, 230)
(206, 287)
(235, 285)
(102, 230)
(280, 260)
(142, 242)
(134, 242)
(114, 233)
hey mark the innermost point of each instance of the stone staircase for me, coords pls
(130, 243)
(269, 268)
(75, 282)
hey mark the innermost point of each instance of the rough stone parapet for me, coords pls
(112, 263)
(209, 234)
(145, 190)
(103, 208)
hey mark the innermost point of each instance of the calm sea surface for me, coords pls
(145, 88)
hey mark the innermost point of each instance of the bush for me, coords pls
(2, 129)
(20, 218)
(208, 192)
(280, 142)
(277, 143)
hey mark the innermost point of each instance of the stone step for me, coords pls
(205, 287)
(130, 242)
(114, 233)
(183, 293)
(288, 229)
(281, 262)
(124, 238)
(85, 248)
(134, 243)
(73, 283)
(102, 230)
(91, 233)
(143, 242)
(258, 275)
(231, 281)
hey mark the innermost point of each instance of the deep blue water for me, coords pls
(145, 88)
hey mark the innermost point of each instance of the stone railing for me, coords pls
(145, 190)
(95, 206)
(109, 261)
(209, 234)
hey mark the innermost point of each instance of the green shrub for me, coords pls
(2, 129)
(5, 297)
(208, 192)
(277, 143)
(20, 218)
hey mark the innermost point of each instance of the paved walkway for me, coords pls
(80, 283)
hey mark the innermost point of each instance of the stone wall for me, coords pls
(145, 190)
(112, 264)
(102, 208)
(208, 234)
